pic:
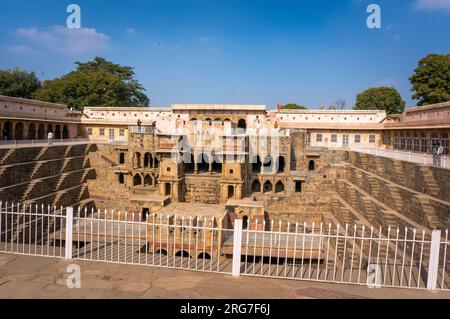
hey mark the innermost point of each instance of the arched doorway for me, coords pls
(7, 131)
(121, 178)
(147, 180)
(57, 132)
(31, 131)
(203, 163)
(242, 124)
(41, 132)
(189, 165)
(267, 165)
(256, 186)
(311, 165)
(216, 165)
(230, 191)
(148, 160)
(137, 160)
(182, 253)
(279, 187)
(256, 165)
(18, 131)
(281, 164)
(137, 180)
(167, 189)
(65, 132)
(204, 256)
(267, 187)
(245, 222)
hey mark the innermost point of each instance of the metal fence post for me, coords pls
(69, 224)
(237, 247)
(434, 260)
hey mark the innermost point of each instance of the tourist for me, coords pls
(439, 153)
(434, 153)
(50, 138)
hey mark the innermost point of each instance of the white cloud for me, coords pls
(20, 50)
(65, 40)
(432, 4)
(131, 31)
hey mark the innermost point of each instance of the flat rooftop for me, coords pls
(218, 107)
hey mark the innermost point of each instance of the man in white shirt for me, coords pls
(439, 153)
(50, 138)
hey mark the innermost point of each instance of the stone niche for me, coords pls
(251, 212)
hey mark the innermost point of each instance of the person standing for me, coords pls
(50, 138)
(439, 153)
(434, 153)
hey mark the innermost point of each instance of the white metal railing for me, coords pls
(420, 158)
(40, 143)
(360, 255)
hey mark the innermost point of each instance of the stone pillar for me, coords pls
(210, 167)
(195, 167)
(238, 193)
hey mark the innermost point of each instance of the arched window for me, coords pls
(137, 160)
(31, 131)
(217, 164)
(137, 180)
(396, 141)
(267, 187)
(279, 187)
(311, 165)
(242, 124)
(281, 165)
(256, 164)
(444, 142)
(408, 141)
(434, 138)
(7, 131)
(203, 163)
(41, 132)
(147, 180)
(402, 141)
(245, 222)
(230, 191)
(423, 142)
(267, 165)
(148, 160)
(18, 131)
(256, 186)
(65, 132)
(57, 132)
(416, 146)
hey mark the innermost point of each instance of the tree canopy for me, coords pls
(293, 106)
(380, 98)
(95, 83)
(431, 79)
(18, 83)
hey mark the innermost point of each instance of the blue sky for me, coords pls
(214, 51)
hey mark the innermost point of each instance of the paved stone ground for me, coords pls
(40, 277)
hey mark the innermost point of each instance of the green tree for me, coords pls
(18, 83)
(431, 79)
(380, 98)
(95, 83)
(293, 106)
